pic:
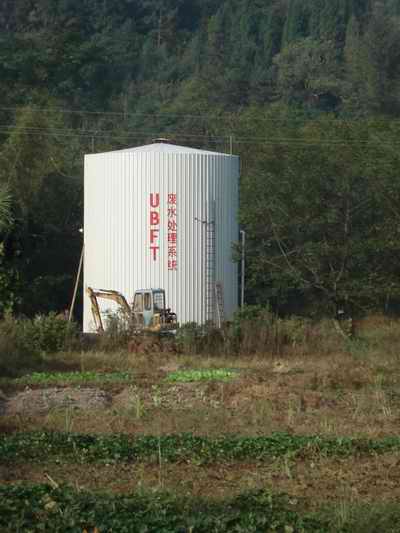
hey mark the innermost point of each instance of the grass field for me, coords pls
(127, 442)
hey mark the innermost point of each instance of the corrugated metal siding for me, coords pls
(117, 226)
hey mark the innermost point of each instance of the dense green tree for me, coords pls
(5, 207)
(8, 279)
(260, 73)
(297, 21)
(46, 203)
(308, 71)
(372, 58)
(323, 227)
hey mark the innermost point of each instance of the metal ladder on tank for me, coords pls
(210, 272)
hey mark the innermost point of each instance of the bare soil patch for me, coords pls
(313, 482)
(340, 397)
(205, 409)
(40, 401)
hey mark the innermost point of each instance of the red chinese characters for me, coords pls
(172, 232)
(171, 227)
(154, 224)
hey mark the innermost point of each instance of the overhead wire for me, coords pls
(224, 114)
(103, 134)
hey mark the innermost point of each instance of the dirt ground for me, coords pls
(342, 398)
(314, 482)
(41, 401)
(338, 397)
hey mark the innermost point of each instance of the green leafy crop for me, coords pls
(217, 374)
(37, 508)
(72, 377)
(47, 446)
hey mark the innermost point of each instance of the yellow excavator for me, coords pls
(148, 313)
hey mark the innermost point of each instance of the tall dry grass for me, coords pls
(254, 334)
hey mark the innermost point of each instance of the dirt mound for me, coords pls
(177, 396)
(43, 400)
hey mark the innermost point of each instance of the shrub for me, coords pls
(23, 341)
(116, 334)
(52, 334)
(188, 338)
(256, 330)
(252, 331)
(194, 339)
(16, 347)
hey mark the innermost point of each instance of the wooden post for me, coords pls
(78, 275)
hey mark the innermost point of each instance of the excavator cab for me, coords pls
(149, 310)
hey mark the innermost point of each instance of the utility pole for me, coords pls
(78, 275)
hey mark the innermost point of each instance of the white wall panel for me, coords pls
(117, 225)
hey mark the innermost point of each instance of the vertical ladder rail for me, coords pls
(208, 226)
(210, 264)
(210, 272)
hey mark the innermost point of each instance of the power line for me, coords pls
(225, 114)
(91, 133)
(103, 134)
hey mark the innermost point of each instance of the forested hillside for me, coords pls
(306, 91)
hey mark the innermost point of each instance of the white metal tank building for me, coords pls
(162, 216)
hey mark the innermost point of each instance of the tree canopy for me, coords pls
(307, 91)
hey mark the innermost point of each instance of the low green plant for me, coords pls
(43, 446)
(212, 374)
(46, 378)
(37, 508)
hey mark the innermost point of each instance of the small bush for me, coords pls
(23, 341)
(255, 330)
(251, 331)
(52, 334)
(193, 339)
(16, 347)
(118, 332)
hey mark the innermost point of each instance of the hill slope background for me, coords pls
(306, 91)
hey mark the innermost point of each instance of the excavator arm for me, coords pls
(114, 296)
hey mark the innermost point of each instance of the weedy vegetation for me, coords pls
(48, 378)
(189, 376)
(123, 448)
(58, 508)
(275, 415)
